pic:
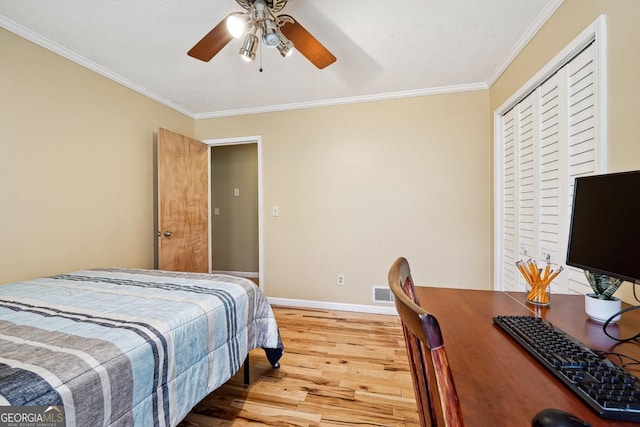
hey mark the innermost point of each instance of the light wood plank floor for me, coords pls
(339, 369)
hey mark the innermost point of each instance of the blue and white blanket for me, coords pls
(124, 347)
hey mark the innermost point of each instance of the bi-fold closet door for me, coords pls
(548, 138)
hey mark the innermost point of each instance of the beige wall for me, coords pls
(623, 72)
(76, 181)
(359, 185)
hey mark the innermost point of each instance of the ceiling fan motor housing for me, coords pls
(273, 5)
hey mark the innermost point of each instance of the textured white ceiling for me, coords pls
(384, 49)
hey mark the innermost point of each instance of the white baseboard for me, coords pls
(373, 309)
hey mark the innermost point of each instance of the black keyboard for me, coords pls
(609, 390)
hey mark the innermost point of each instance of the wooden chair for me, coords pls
(433, 384)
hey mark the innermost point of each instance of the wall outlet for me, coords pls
(340, 279)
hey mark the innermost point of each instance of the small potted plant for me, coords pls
(601, 305)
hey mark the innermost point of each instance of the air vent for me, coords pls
(382, 294)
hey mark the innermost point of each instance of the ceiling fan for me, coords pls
(260, 22)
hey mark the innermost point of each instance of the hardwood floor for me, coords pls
(339, 369)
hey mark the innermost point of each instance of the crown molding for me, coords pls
(526, 37)
(346, 100)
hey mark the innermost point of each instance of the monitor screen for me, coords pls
(604, 237)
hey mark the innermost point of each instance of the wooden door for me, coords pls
(183, 203)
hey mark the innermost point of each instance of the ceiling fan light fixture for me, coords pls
(237, 24)
(285, 46)
(270, 33)
(249, 47)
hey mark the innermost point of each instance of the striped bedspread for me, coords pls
(123, 347)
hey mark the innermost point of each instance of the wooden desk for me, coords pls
(499, 383)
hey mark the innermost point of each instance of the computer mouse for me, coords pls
(551, 417)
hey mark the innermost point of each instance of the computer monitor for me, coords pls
(604, 237)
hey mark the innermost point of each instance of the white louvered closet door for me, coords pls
(510, 251)
(552, 179)
(583, 147)
(549, 138)
(528, 175)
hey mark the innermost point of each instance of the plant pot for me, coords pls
(600, 310)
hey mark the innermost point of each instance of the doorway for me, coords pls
(235, 211)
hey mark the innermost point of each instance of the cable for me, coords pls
(620, 357)
(620, 313)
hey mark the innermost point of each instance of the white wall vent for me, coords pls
(382, 294)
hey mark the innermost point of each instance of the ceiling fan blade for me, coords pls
(212, 43)
(306, 44)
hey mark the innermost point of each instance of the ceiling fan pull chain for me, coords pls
(260, 47)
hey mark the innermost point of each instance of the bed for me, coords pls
(126, 347)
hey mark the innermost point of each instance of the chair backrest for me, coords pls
(433, 384)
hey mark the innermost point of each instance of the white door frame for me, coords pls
(254, 139)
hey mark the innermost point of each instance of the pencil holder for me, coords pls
(538, 280)
(539, 294)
